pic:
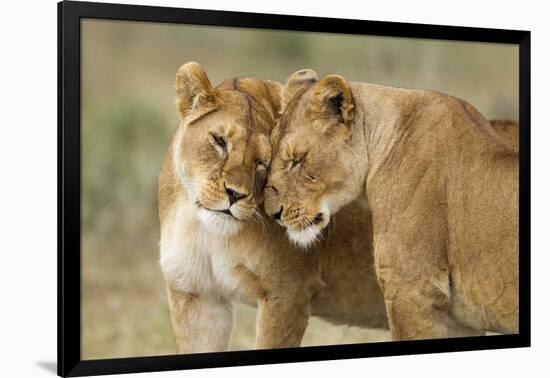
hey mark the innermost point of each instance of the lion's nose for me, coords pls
(233, 195)
(277, 216)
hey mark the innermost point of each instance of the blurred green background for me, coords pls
(128, 116)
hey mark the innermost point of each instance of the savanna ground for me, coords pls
(128, 116)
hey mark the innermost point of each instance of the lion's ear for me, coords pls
(332, 99)
(195, 95)
(298, 81)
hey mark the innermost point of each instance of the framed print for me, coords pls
(239, 188)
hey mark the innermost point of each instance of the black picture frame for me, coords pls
(69, 231)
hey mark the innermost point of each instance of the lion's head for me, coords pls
(222, 150)
(313, 162)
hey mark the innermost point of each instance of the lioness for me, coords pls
(217, 248)
(441, 184)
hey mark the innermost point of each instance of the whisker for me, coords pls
(257, 217)
(263, 221)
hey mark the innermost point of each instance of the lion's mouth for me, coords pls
(318, 218)
(224, 211)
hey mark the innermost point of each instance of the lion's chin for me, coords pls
(219, 224)
(306, 237)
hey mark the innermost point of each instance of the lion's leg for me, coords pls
(413, 315)
(200, 324)
(412, 269)
(281, 322)
(417, 310)
(419, 306)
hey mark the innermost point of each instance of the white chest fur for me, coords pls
(194, 259)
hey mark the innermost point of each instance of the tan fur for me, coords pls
(442, 186)
(508, 130)
(206, 269)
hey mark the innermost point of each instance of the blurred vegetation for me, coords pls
(128, 116)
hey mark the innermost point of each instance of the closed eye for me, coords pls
(297, 162)
(220, 141)
(220, 145)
